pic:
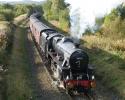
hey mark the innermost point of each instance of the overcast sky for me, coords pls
(20, 0)
(10, 0)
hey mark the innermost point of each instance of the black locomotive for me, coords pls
(69, 64)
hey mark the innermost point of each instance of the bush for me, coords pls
(64, 19)
(20, 9)
(2, 17)
(113, 24)
(6, 12)
(5, 31)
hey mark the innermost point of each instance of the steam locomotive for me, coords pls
(69, 64)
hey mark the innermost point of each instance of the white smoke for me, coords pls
(84, 12)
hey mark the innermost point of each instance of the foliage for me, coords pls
(115, 29)
(98, 23)
(121, 10)
(21, 9)
(26, 8)
(111, 17)
(2, 17)
(6, 12)
(57, 10)
(47, 9)
(106, 49)
(5, 33)
(64, 19)
(18, 78)
(88, 31)
(108, 56)
(113, 24)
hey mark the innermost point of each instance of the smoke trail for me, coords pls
(84, 12)
(75, 23)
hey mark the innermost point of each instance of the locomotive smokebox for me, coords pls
(79, 61)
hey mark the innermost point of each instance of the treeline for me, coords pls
(8, 12)
(111, 25)
(57, 10)
(53, 10)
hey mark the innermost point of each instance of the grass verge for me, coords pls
(6, 38)
(109, 60)
(18, 78)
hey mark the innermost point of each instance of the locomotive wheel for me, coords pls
(91, 95)
(69, 91)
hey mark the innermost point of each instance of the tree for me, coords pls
(110, 17)
(98, 23)
(121, 10)
(88, 31)
(6, 12)
(20, 9)
(57, 10)
(47, 9)
(64, 19)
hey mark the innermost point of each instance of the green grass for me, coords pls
(109, 62)
(19, 75)
(5, 49)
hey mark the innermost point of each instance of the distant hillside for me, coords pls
(23, 2)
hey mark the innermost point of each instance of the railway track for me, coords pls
(48, 72)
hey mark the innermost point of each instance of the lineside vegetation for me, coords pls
(106, 48)
(57, 12)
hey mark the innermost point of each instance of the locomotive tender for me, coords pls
(69, 64)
